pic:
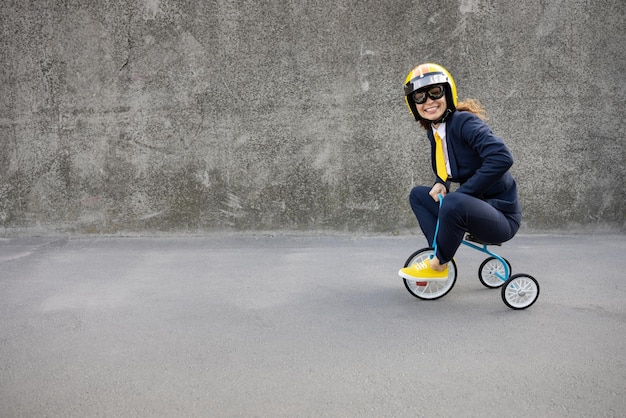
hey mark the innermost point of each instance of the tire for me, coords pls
(520, 291)
(429, 290)
(487, 272)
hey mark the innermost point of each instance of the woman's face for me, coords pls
(432, 109)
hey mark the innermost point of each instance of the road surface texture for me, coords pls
(311, 325)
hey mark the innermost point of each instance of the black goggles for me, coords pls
(434, 92)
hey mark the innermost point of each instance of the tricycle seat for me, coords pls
(471, 238)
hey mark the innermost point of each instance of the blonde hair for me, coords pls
(467, 105)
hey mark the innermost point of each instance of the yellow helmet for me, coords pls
(426, 75)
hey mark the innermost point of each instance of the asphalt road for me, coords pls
(305, 326)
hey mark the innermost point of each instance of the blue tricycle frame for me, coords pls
(519, 291)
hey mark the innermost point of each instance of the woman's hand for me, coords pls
(437, 189)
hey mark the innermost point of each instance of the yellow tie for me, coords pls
(440, 161)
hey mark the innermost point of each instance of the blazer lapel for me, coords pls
(451, 155)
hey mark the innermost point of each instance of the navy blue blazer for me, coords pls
(479, 161)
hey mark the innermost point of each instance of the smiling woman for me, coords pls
(465, 151)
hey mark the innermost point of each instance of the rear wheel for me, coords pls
(429, 290)
(520, 291)
(491, 272)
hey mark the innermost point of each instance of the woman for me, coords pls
(465, 151)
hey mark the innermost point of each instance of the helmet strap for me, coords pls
(443, 117)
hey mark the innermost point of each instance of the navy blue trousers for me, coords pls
(459, 213)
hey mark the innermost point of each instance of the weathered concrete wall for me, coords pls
(164, 115)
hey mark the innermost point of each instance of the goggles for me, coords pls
(434, 92)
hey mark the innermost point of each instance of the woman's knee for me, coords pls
(452, 205)
(418, 194)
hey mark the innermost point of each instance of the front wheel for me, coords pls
(429, 290)
(520, 291)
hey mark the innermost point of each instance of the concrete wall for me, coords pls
(214, 115)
